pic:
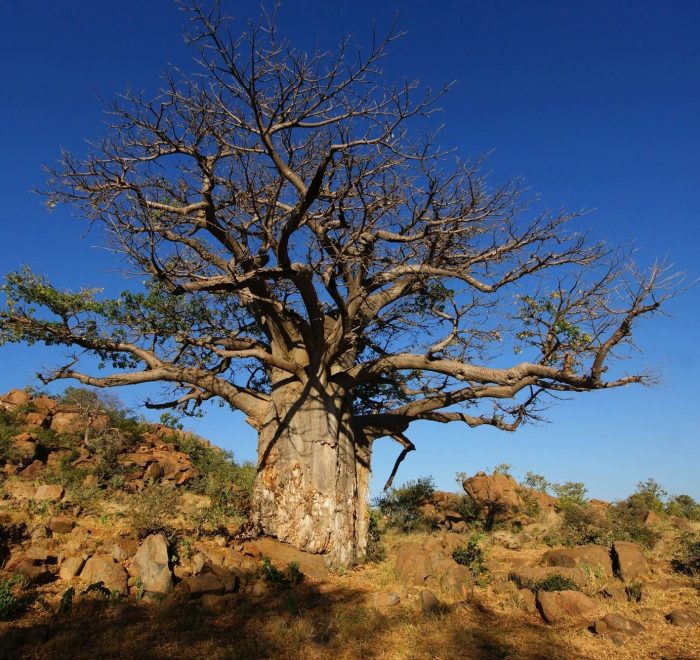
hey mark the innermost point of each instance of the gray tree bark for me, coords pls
(313, 474)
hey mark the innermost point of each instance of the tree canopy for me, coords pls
(292, 221)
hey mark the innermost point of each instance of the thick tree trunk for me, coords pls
(313, 475)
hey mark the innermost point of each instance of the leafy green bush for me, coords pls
(683, 506)
(228, 484)
(536, 482)
(552, 582)
(9, 603)
(570, 493)
(634, 592)
(468, 509)
(688, 558)
(9, 427)
(401, 506)
(471, 555)
(277, 578)
(624, 521)
(649, 496)
(375, 551)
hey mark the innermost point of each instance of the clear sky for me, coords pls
(596, 104)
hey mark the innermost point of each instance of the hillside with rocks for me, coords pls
(125, 538)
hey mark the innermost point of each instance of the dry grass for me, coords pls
(334, 620)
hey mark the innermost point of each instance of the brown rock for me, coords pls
(216, 603)
(413, 563)
(61, 524)
(527, 600)
(32, 471)
(530, 575)
(67, 422)
(101, 568)
(311, 565)
(593, 556)
(385, 599)
(45, 403)
(15, 398)
(205, 583)
(559, 606)
(684, 618)
(153, 472)
(629, 561)
(90, 481)
(428, 601)
(70, 567)
(124, 547)
(496, 496)
(20, 490)
(618, 623)
(455, 580)
(37, 418)
(186, 476)
(49, 493)
(614, 592)
(25, 446)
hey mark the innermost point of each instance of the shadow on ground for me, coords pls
(288, 623)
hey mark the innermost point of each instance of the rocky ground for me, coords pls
(140, 560)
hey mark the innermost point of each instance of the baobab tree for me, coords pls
(315, 261)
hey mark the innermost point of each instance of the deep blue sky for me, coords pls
(596, 104)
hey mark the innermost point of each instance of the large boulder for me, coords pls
(629, 561)
(49, 493)
(496, 496)
(413, 563)
(15, 398)
(70, 567)
(616, 623)
(592, 557)
(281, 554)
(684, 618)
(560, 606)
(101, 568)
(529, 576)
(151, 565)
(24, 446)
(45, 403)
(20, 490)
(205, 583)
(430, 564)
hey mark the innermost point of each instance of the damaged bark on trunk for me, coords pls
(313, 473)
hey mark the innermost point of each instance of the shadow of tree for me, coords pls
(298, 622)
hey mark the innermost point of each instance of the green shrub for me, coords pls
(294, 574)
(228, 484)
(9, 603)
(570, 493)
(536, 482)
(375, 552)
(687, 559)
(401, 506)
(634, 592)
(649, 496)
(150, 509)
(624, 521)
(683, 506)
(552, 582)
(471, 555)
(468, 509)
